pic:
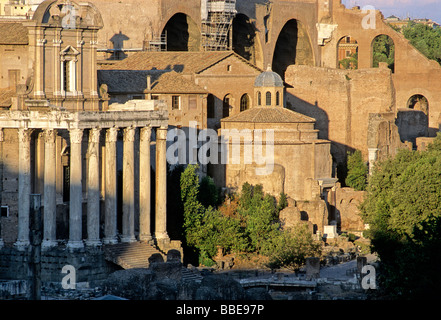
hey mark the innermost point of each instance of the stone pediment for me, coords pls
(69, 51)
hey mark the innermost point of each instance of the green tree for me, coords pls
(350, 62)
(290, 248)
(425, 39)
(357, 171)
(208, 192)
(205, 228)
(253, 228)
(403, 210)
(259, 214)
(193, 209)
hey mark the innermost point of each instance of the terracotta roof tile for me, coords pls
(135, 81)
(179, 61)
(172, 82)
(269, 115)
(13, 33)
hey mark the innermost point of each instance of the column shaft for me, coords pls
(144, 185)
(128, 221)
(93, 189)
(76, 194)
(49, 189)
(24, 186)
(110, 201)
(161, 185)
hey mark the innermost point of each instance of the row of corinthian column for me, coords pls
(93, 187)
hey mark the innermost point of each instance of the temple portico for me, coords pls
(91, 147)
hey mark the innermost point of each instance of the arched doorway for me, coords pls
(383, 50)
(347, 53)
(182, 33)
(245, 40)
(418, 102)
(293, 46)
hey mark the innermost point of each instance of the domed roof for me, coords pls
(268, 78)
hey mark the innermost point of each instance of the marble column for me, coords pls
(76, 193)
(110, 204)
(24, 187)
(161, 185)
(93, 189)
(128, 206)
(372, 155)
(49, 190)
(144, 184)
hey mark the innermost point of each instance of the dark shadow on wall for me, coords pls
(338, 150)
(118, 46)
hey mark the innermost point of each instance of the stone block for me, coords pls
(330, 232)
(312, 266)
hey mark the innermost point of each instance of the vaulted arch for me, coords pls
(293, 46)
(182, 33)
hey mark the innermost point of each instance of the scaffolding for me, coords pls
(157, 43)
(217, 21)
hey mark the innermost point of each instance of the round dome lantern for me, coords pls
(268, 89)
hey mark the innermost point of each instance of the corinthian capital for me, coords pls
(49, 135)
(76, 135)
(145, 133)
(112, 134)
(24, 134)
(129, 134)
(94, 135)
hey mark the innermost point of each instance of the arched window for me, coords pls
(210, 106)
(277, 98)
(244, 103)
(347, 54)
(259, 98)
(383, 50)
(226, 106)
(268, 98)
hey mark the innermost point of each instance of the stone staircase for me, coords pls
(130, 255)
(189, 275)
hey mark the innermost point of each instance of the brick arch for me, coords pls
(417, 92)
(344, 45)
(391, 65)
(293, 36)
(419, 102)
(183, 32)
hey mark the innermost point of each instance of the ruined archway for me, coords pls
(245, 40)
(293, 46)
(418, 102)
(182, 33)
(383, 51)
(347, 53)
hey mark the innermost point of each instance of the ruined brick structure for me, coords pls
(69, 104)
(268, 32)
